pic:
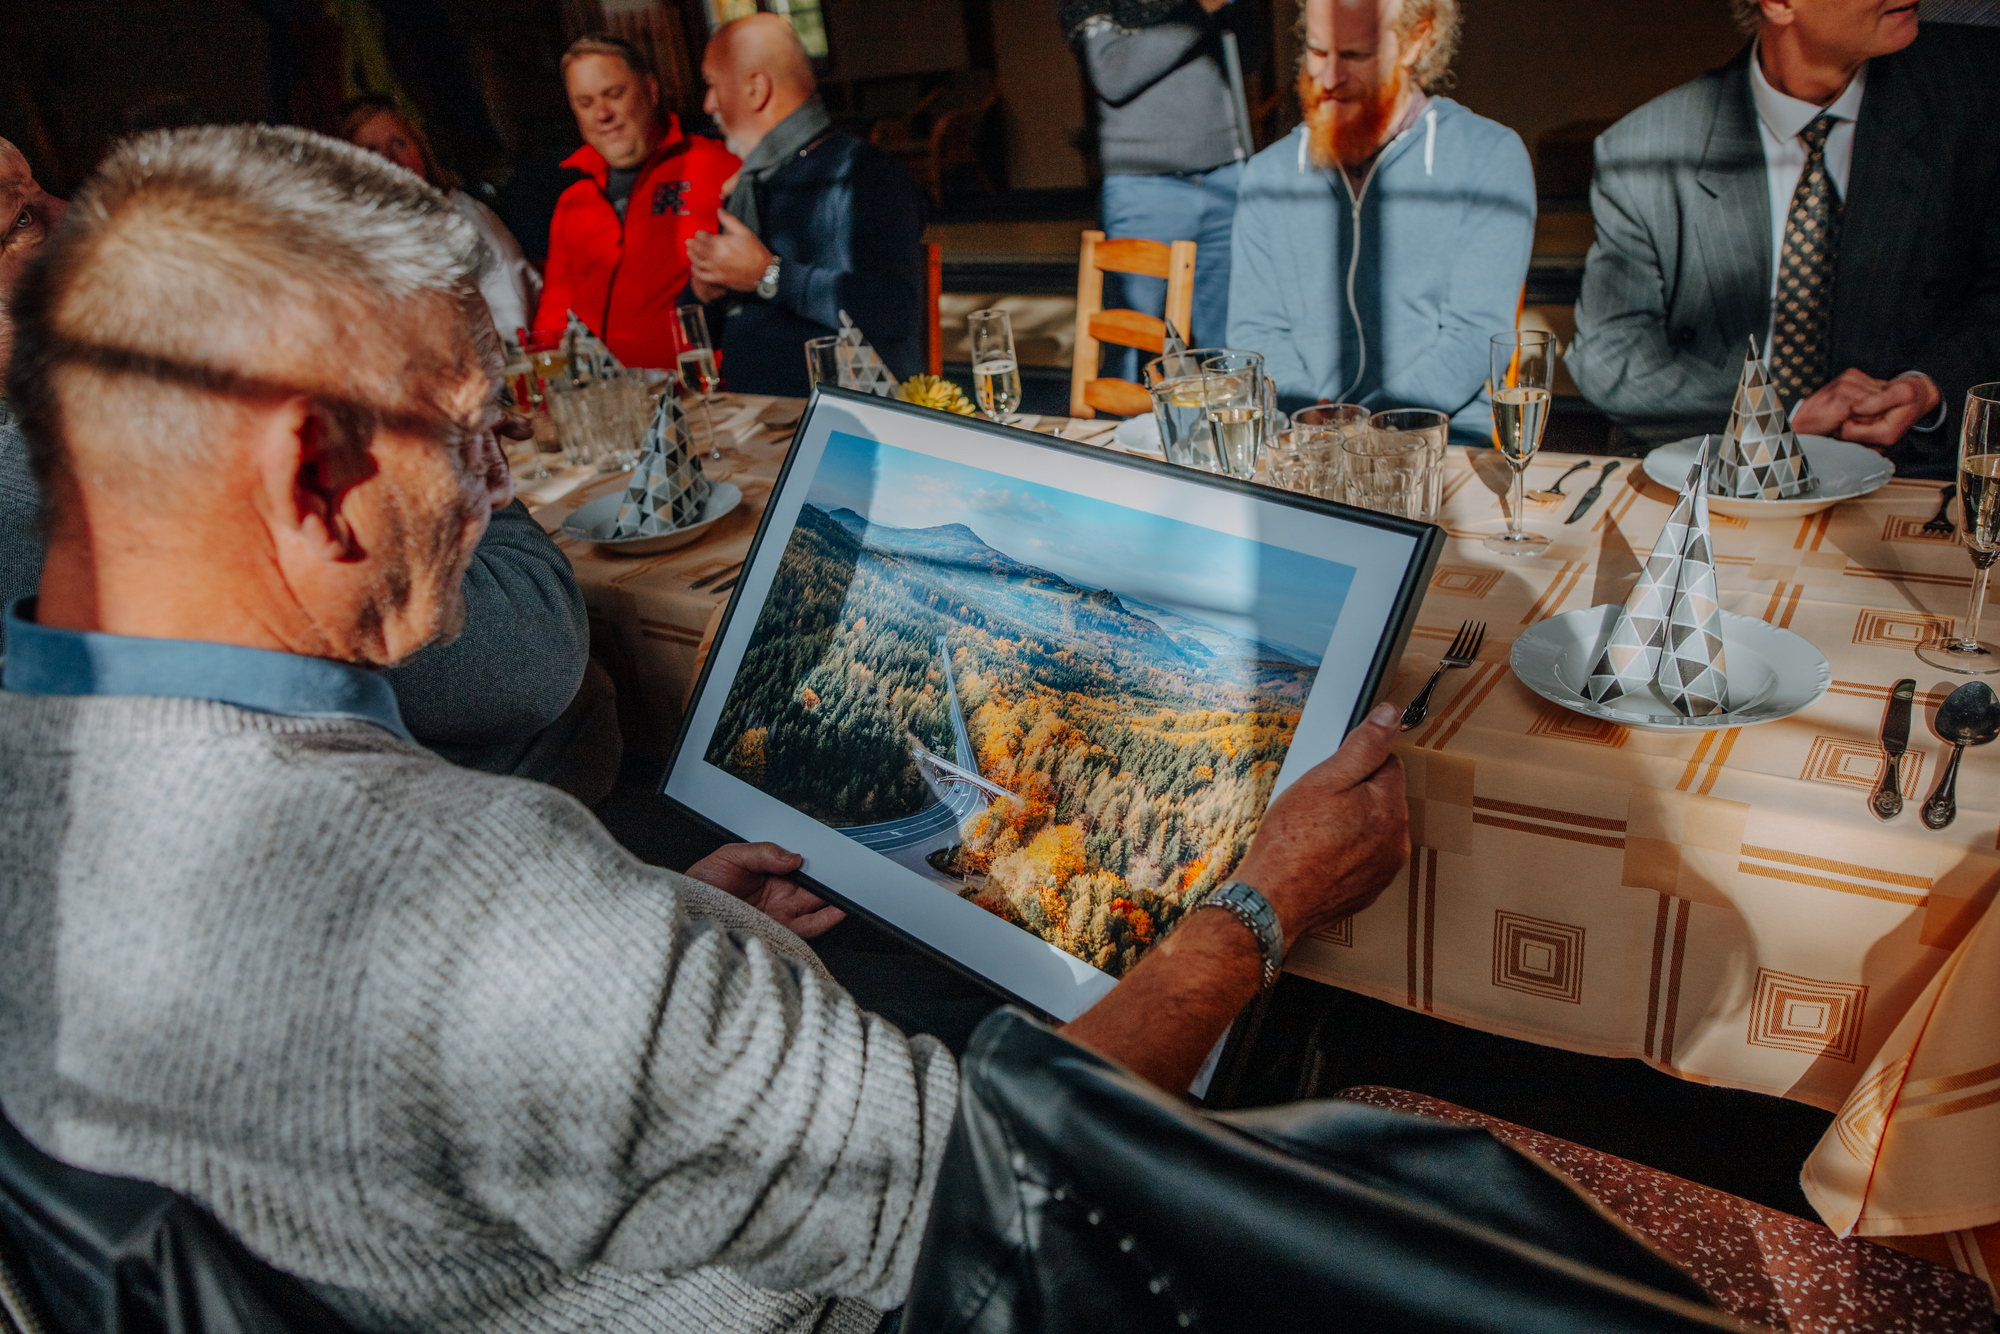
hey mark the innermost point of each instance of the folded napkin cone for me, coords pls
(1761, 458)
(667, 489)
(1669, 632)
(589, 358)
(861, 366)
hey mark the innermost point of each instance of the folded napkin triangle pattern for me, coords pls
(1669, 632)
(1172, 342)
(1761, 458)
(667, 488)
(861, 366)
(589, 358)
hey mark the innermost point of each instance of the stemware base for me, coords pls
(1980, 659)
(1523, 543)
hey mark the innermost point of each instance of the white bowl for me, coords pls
(1844, 471)
(1772, 673)
(593, 522)
(1139, 435)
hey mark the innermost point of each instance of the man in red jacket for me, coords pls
(618, 243)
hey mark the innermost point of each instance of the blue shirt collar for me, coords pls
(43, 660)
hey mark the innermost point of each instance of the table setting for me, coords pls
(1658, 761)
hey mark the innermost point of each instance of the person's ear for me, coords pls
(653, 92)
(308, 466)
(1779, 12)
(1415, 44)
(760, 90)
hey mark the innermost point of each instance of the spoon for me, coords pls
(1969, 716)
(1556, 492)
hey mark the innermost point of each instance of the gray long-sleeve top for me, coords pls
(1164, 103)
(478, 700)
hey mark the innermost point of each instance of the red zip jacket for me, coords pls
(621, 278)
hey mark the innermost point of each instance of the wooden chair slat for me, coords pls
(1120, 398)
(1129, 328)
(1131, 254)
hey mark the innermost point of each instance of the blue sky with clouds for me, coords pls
(1242, 586)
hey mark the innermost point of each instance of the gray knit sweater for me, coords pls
(431, 1040)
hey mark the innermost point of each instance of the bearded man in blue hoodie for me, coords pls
(1383, 242)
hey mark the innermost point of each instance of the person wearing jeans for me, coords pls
(1170, 144)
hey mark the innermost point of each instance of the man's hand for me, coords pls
(1325, 849)
(1338, 835)
(755, 873)
(1857, 406)
(730, 260)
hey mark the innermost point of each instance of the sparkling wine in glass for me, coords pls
(996, 372)
(1523, 366)
(698, 373)
(1979, 529)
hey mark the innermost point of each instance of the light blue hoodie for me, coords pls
(1447, 222)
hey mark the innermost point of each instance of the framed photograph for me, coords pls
(1024, 701)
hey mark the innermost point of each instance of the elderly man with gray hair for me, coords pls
(427, 1038)
(515, 694)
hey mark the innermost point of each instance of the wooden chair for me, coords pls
(933, 320)
(1089, 392)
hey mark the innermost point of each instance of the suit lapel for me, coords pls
(1732, 221)
(1882, 219)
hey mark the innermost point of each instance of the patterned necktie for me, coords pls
(1802, 323)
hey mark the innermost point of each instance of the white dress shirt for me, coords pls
(1780, 119)
(511, 286)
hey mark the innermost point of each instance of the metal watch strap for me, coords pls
(1249, 906)
(767, 286)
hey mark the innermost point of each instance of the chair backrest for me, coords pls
(110, 1255)
(1075, 1197)
(1090, 393)
(933, 313)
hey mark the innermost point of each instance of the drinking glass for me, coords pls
(1180, 405)
(1523, 365)
(1309, 462)
(1434, 429)
(1979, 529)
(823, 360)
(1385, 471)
(1240, 414)
(1342, 417)
(570, 407)
(697, 369)
(996, 373)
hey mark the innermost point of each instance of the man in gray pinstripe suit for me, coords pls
(1834, 192)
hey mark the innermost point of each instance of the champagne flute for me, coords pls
(697, 370)
(1523, 365)
(1979, 528)
(996, 373)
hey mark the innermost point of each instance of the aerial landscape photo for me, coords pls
(1068, 711)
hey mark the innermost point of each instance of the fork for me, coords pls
(1940, 524)
(1555, 492)
(1464, 646)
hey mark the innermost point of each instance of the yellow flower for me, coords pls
(931, 391)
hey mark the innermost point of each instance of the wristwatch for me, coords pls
(1252, 909)
(767, 286)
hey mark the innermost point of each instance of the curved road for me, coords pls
(936, 825)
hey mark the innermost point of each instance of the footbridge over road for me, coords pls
(961, 790)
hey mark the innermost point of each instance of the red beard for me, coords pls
(1352, 139)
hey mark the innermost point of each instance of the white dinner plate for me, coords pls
(593, 522)
(1772, 673)
(1139, 435)
(1844, 471)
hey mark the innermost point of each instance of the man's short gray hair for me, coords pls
(1749, 14)
(206, 267)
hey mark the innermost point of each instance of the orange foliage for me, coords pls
(1135, 917)
(809, 699)
(1057, 852)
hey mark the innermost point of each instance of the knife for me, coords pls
(1886, 801)
(1589, 498)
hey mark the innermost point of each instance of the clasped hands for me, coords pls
(731, 260)
(1858, 407)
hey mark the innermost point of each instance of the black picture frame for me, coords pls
(1427, 539)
